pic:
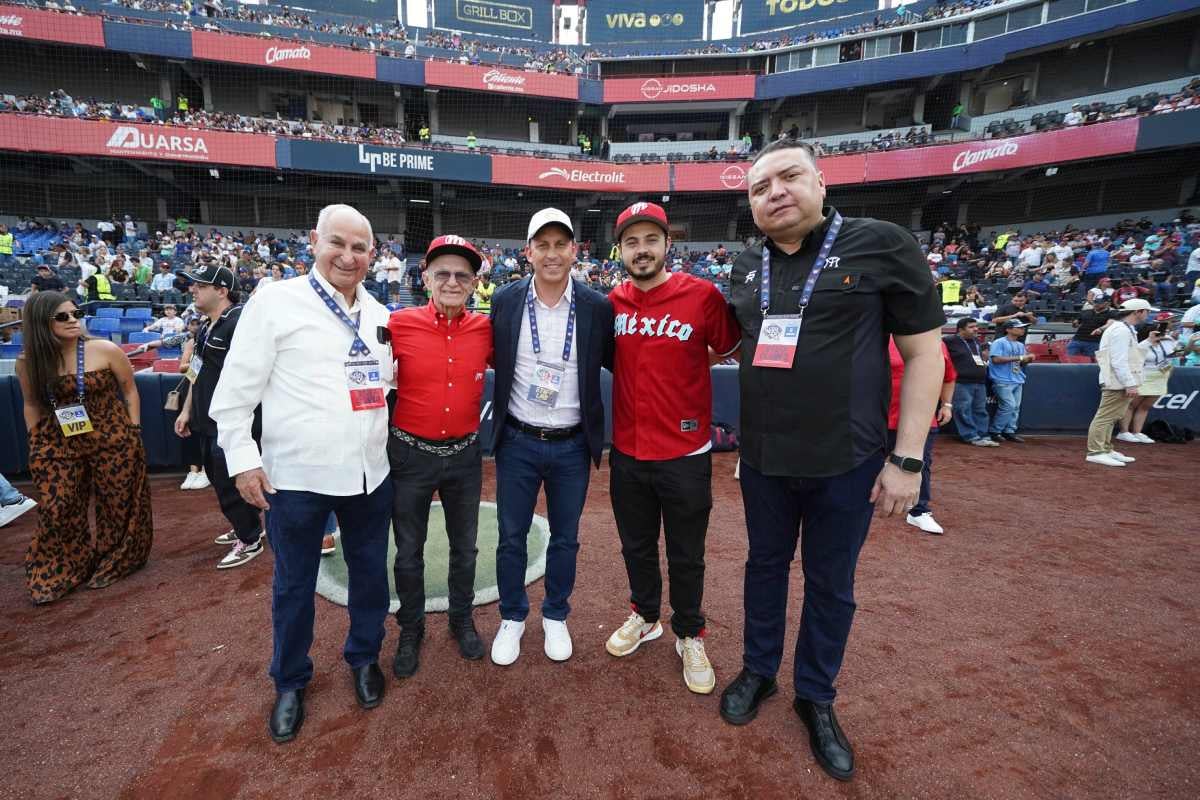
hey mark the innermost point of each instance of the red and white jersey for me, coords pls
(662, 390)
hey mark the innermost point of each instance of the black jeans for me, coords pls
(458, 480)
(245, 518)
(678, 495)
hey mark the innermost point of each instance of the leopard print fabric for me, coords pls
(107, 465)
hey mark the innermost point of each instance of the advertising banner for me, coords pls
(989, 155)
(501, 80)
(152, 40)
(163, 142)
(765, 15)
(720, 176)
(282, 54)
(621, 21)
(414, 162)
(522, 19)
(678, 89)
(19, 22)
(1176, 129)
(400, 70)
(593, 176)
(372, 9)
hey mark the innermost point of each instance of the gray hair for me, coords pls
(329, 210)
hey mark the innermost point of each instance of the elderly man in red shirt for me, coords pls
(442, 352)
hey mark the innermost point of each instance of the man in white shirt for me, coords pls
(1121, 364)
(389, 271)
(1073, 117)
(1031, 256)
(307, 350)
(164, 281)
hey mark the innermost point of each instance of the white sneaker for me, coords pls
(13, 510)
(1144, 439)
(506, 647)
(1121, 457)
(925, 522)
(189, 482)
(558, 640)
(697, 671)
(228, 538)
(1128, 437)
(631, 634)
(1104, 458)
(201, 481)
(240, 554)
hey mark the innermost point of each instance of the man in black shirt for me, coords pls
(815, 385)
(970, 393)
(46, 280)
(213, 293)
(1014, 310)
(1091, 325)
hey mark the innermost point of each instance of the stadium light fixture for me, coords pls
(417, 200)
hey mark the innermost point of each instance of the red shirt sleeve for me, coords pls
(951, 373)
(722, 329)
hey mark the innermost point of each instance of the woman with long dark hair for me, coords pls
(82, 412)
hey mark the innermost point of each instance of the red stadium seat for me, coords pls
(1069, 359)
(166, 365)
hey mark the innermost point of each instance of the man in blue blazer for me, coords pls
(551, 335)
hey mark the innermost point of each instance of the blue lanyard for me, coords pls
(826, 246)
(78, 375)
(533, 326)
(977, 351)
(359, 348)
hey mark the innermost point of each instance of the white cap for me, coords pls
(545, 217)
(1137, 304)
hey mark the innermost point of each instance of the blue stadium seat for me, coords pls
(132, 324)
(17, 338)
(169, 352)
(141, 312)
(10, 350)
(109, 312)
(142, 337)
(106, 327)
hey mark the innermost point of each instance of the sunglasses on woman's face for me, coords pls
(67, 316)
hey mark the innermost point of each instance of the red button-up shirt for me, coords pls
(440, 367)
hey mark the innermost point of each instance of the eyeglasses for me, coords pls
(66, 316)
(461, 278)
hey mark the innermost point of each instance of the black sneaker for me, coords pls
(470, 646)
(1012, 437)
(408, 651)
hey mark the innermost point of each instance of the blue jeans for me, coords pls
(8, 495)
(523, 464)
(1077, 347)
(836, 515)
(296, 526)
(970, 411)
(1009, 411)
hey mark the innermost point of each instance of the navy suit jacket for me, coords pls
(593, 348)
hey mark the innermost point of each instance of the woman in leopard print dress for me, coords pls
(106, 464)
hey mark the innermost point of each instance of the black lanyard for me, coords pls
(359, 348)
(826, 246)
(533, 326)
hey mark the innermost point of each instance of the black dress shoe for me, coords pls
(408, 651)
(287, 716)
(1012, 437)
(470, 646)
(368, 685)
(740, 700)
(829, 745)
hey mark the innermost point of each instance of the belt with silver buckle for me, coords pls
(545, 434)
(449, 447)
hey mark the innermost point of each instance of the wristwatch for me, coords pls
(907, 464)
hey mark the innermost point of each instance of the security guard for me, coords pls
(483, 294)
(6, 247)
(423, 133)
(816, 303)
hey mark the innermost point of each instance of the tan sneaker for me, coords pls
(697, 671)
(631, 634)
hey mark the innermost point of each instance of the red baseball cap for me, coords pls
(456, 245)
(642, 212)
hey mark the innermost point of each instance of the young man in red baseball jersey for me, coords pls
(660, 465)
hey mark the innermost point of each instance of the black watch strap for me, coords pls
(907, 464)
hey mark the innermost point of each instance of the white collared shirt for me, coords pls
(289, 354)
(552, 333)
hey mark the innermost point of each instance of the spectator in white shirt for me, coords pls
(389, 271)
(1073, 117)
(324, 449)
(170, 323)
(164, 281)
(1121, 373)
(1031, 256)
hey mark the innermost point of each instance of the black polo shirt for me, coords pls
(828, 413)
(212, 345)
(1090, 323)
(962, 356)
(49, 283)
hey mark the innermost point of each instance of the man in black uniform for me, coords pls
(213, 293)
(816, 303)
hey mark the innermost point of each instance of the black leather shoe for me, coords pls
(740, 700)
(408, 651)
(368, 685)
(287, 716)
(1012, 437)
(470, 646)
(829, 745)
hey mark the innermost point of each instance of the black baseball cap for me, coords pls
(212, 274)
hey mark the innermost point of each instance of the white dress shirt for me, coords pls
(552, 333)
(289, 354)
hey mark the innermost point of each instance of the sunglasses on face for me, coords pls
(67, 316)
(461, 278)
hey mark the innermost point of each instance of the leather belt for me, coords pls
(447, 447)
(544, 434)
